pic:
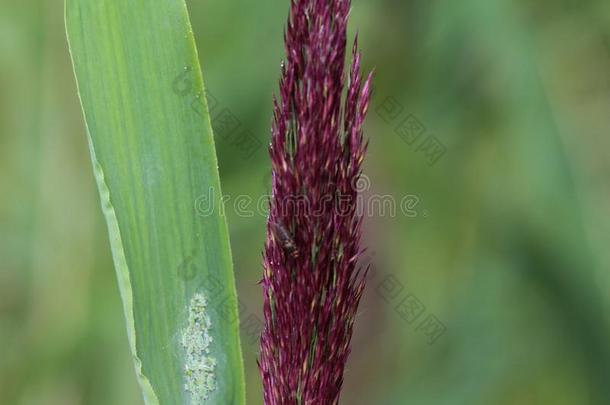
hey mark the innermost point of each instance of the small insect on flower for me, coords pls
(281, 234)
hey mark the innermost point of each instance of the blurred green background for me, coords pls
(492, 288)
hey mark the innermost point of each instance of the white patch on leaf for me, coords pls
(199, 366)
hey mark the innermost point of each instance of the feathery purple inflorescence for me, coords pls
(312, 283)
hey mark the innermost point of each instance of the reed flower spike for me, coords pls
(312, 282)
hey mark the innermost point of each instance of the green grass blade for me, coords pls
(153, 153)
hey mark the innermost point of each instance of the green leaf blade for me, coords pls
(154, 157)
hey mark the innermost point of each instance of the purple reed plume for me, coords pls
(312, 281)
